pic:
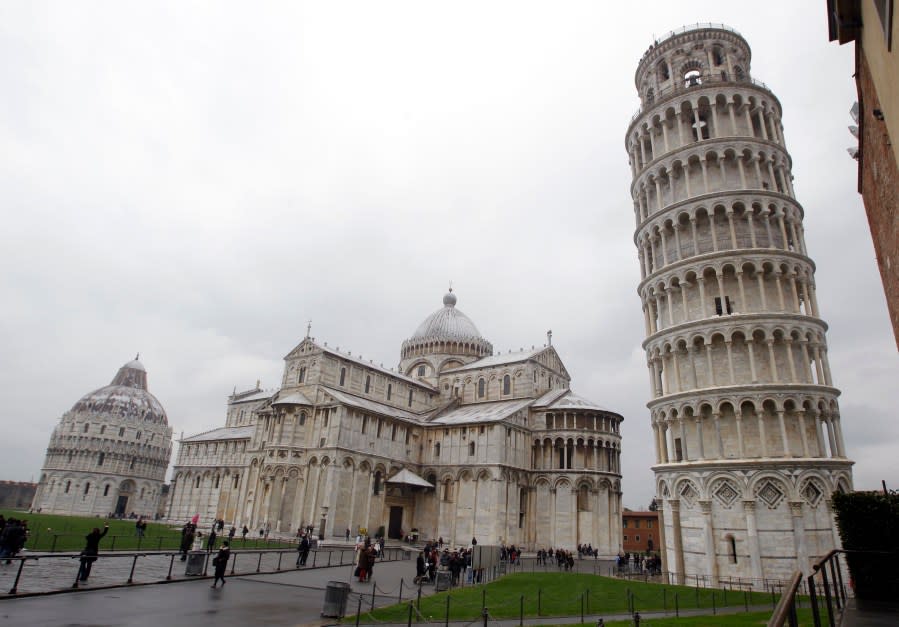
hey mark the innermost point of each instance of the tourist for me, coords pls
(140, 526)
(303, 550)
(210, 542)
(220, 561)
(347, 535)
(420, 568)
(90, 552)
(187, 539)
(246, 530)
(231, 533)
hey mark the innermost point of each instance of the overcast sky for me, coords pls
(195, 181)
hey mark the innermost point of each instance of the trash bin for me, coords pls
(336, 595)
(196, 563)
(443, 580)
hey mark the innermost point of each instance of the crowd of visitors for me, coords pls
(13, 534)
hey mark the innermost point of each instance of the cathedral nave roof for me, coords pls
(223, 433)
(369, 405)
(482, 412)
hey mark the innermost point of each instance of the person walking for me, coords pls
(90, 552)
(210, 542)
(231, 533)
(220, 562)
(303, 550)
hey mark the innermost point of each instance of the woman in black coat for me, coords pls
(221, 562)
(90, 552)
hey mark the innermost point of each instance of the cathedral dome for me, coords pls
(447, 331)
(126, 396)
(447, 323)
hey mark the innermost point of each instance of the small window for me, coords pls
(389, 390)
(342, 376)
(637, 538)
(649, 524)
(507, 385)
(68, 486)
(138, 436)
(106, 490)
(131, 465)
(302, 418)
(732, 545)
(216, 482)
(471, 448)
(377, 483)
(482, 388)
(719, 309)
(87, 426)
(624, 523)
(393, 433)
(364, 424)
(625, 538)
(482, 428)
(437, 450)
(101, 458)
(198, 482)
(380, 426)
(408, 435)
(367, 384)
(411, 392)
(637, 524)
(421, 370)
(87, 487)
(121, 432)
(235, 481)
(142, 492)
(102, 429)
(302, 376)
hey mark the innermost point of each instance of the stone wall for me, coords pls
(16, 494)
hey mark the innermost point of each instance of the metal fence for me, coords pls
(58, 571)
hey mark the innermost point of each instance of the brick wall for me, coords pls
(879, 186)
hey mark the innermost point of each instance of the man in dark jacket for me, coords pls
(303, 551)
(221, 562)
(90, 552)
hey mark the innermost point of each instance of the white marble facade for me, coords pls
(109, 453)
(744, 413)
(512, 454)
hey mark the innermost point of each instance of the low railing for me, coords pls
(818, 584)
(786, 608)
(56, 572)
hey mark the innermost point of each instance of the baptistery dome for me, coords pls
(109, 453)
(126, 396)
(446, 332)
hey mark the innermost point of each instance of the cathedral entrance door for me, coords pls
(121, 505)
(396, 523)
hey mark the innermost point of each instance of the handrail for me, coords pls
(786, 607)
(320, 558)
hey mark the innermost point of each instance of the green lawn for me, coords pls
(751, 619)
(562, 594)
(52, 532)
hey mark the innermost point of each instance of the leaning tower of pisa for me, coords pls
(744, 413)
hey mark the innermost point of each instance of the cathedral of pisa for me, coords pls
(457, 443)
(744, 414)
